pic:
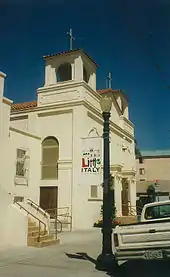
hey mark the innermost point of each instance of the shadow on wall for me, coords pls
(129, 269)
(13, 230)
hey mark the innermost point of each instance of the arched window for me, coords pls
(64, 72)
(50, 157)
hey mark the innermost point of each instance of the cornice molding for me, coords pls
(69, 84)
(127, 121)
(128, 172)
(65, 162)
(56, 112)
(95, 115)
(7, 101)
(113, 127)
(24, 133)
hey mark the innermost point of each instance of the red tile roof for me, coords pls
(106, 90)
(33, 104)
(23, 106)
(68, 53)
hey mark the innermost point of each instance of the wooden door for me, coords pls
(48, 197)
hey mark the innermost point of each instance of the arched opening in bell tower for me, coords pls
(86, 75)
(64, 72)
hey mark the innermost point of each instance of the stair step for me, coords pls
(42, 238)
(44, 243)
(36, 232)
(30, 220)
(33, 228)
(31, 224)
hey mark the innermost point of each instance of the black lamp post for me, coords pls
(106, 260)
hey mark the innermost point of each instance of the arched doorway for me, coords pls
(49, 171)
(50, 156)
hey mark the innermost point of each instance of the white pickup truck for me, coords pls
(149, 239)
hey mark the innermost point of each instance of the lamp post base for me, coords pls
(106, 262)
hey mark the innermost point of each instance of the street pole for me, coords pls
(106, 260)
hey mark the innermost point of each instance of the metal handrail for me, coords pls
(53, 213)
(56, 224)
(37, 207)
(66, 214)
(63, 208)
(39, 221)
(66, 222)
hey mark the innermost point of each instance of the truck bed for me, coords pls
(144, 234)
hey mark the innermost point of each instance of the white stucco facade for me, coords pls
(14, 226)
(69, 110)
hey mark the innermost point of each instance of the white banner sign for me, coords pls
(91, 155)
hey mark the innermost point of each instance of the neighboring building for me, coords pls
(60, 137)
(153, 166)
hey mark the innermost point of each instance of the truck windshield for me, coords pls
(156, 212)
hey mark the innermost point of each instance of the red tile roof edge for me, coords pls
(69, 52)
(107, 90)
(23, 106)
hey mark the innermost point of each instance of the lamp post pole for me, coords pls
(106, 260)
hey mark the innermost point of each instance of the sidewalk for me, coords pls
(74, 257)
(59, 261)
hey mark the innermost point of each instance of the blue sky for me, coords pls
(129, 38)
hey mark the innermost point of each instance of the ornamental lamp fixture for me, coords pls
(106, 104)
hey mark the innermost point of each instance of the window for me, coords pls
(156, 212)
(94, 190)
(142, 171)
(18, 199)
(20, 163)
(64, 72)
(50, 157)
(142, 180)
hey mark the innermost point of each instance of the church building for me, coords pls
(56, 143)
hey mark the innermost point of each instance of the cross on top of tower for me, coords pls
(70, 34)
(109, 80)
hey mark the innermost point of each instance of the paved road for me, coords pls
(64, 261)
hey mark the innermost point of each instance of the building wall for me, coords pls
(69, 111)
(8, 181)
(154, 168)
(85, 210)
(13, 224)
(21, 124)
(59, 125)
(69, 125)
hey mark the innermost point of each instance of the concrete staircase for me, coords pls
(34, 240)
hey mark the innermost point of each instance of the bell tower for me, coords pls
(71, 66)
(67, 76)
